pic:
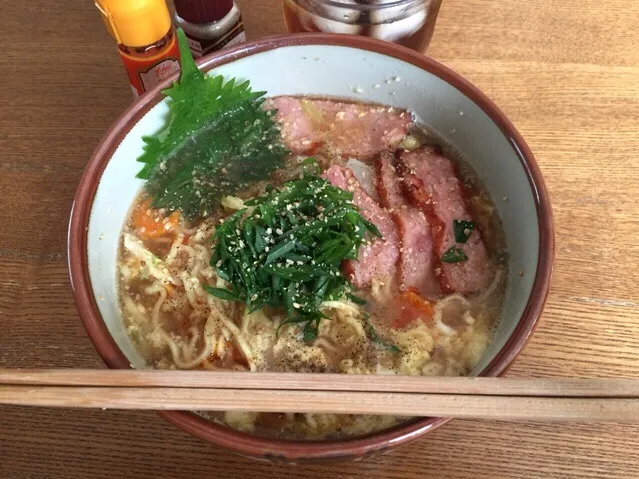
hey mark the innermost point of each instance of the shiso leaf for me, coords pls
(218, 139)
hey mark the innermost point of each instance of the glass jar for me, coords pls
(408, 22)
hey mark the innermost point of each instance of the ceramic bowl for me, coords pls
(351, 67)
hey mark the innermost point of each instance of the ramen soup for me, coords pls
(418, 292)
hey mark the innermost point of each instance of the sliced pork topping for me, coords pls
(299, 131)
(388, 182)
(432, 184)
(417, 261)
(377, 260)
(348, 129)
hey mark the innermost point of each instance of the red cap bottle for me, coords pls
(210, 25)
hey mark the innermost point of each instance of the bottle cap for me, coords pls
(202, 11)
(135, 23)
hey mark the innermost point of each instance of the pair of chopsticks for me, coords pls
(556, 399)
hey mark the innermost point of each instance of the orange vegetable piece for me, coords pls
(418, 302)
(151, 223)
(412, 305)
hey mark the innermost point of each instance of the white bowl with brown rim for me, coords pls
(342, 66)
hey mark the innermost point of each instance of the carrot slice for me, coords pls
(412, 306)
(418, 302)
(151, 223)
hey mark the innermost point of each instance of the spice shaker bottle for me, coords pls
(146, 40)
(209, 25)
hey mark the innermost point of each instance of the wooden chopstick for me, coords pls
(569, 387)
(549, 399)
(266, 400)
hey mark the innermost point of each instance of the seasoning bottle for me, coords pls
(209, 25)
(146, 41)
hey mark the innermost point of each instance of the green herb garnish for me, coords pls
(221, 293)
(355, 299)
(463, 229)
(288, 250)
(454, 255)
(218, 140)
(373, 336)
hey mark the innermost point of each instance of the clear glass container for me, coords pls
(408, 22)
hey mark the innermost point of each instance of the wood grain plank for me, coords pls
(572, 31)
(143, 445)
(566, 73)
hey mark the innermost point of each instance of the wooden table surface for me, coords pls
(566, 73)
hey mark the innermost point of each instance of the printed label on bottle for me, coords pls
(196, 47)
(161, 71)
(146, 73)
(235, 35)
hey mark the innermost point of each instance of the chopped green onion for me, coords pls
(454, 255)
(462, 230)
(288, 252)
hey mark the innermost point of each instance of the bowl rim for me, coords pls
(291, 450)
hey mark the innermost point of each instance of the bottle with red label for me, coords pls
(146, 40)
(209, 25)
